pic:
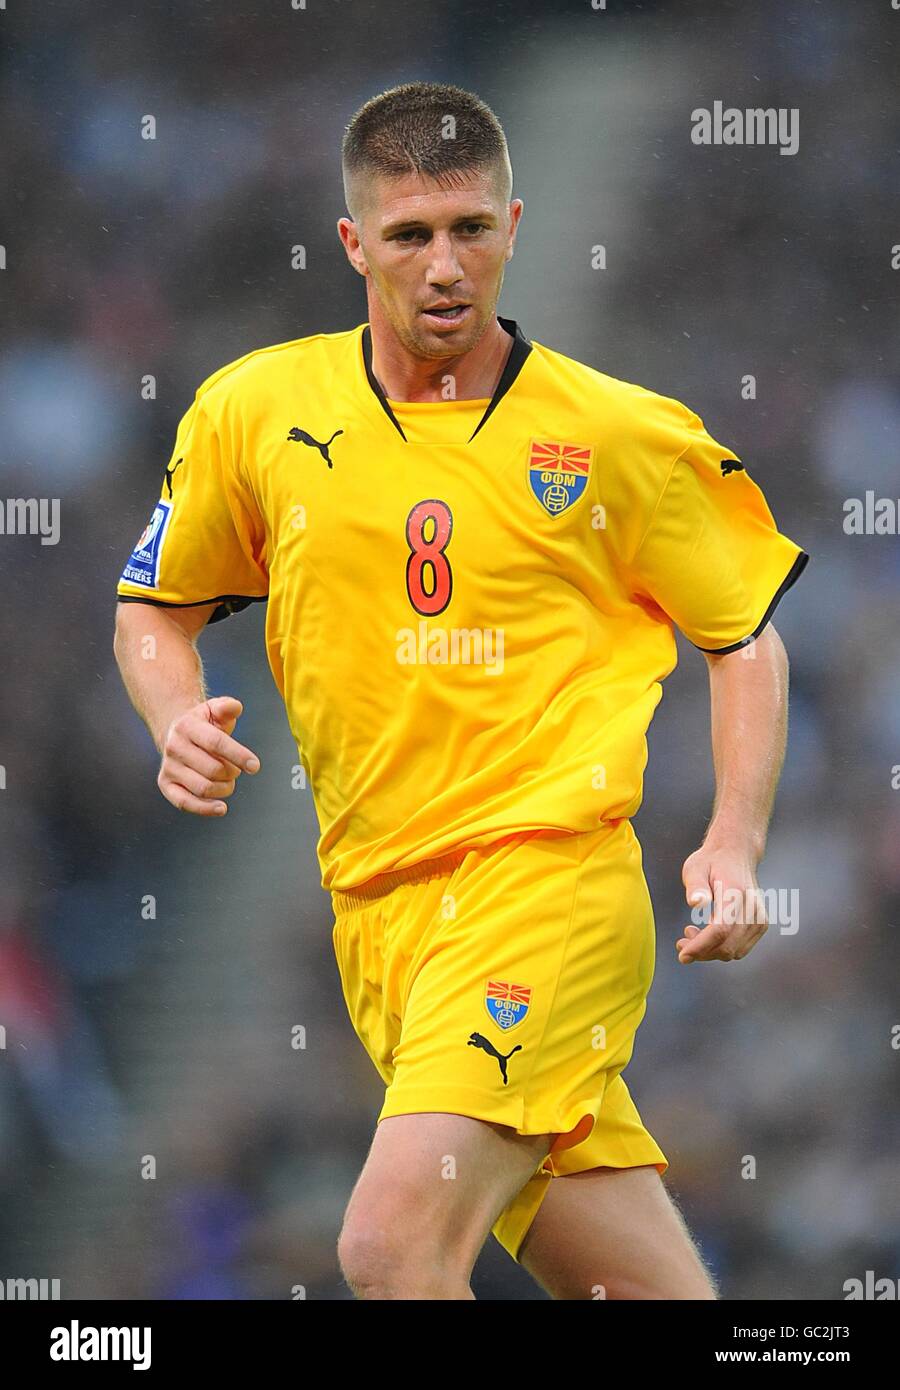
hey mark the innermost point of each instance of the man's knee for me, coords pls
(393, 1240)
(383, 1259)
(369, 1257)
(407, 1223)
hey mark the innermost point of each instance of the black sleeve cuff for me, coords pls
(228, 603)
(790, 578)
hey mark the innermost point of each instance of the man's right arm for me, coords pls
(160, 666)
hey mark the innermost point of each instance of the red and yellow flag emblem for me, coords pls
(558, 473)
(506, 1003)
(569, 458)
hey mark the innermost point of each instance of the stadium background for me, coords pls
(171, 1037)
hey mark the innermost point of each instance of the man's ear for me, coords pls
(349, 235)
(515, 212)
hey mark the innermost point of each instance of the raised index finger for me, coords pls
(224, 746)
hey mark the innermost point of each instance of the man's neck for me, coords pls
(404, 377)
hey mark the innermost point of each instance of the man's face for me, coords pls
(424, 247)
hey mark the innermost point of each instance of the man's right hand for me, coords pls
(200, 761)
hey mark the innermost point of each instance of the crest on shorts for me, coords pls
(558, 473)
(507, 1004)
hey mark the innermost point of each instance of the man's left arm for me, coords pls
(748, 706)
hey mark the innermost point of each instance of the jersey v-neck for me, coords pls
(438, 422)
(426, 415)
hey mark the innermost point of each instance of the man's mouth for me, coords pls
(451, 314)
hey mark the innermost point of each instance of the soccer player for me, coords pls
(474, 551)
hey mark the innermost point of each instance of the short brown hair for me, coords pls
(405, 130)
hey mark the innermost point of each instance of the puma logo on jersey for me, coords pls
(478, 1040)
(170, 473)
(731, 466)
(298, 436)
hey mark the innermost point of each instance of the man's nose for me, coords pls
(443, 265)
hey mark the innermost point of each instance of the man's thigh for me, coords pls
(433, 1185)
(613, 1233)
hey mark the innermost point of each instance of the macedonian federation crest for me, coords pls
(507, 1004)
(558, 473)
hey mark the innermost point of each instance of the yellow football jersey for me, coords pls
(470, 603)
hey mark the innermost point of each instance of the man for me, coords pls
(474, 550)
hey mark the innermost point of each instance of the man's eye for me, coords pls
(474, 227)
(408, 235)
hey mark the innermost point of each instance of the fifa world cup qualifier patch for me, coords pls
(507, 1004)
(143, 567)
(558, 473)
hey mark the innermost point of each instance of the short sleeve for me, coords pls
(205, 542)
(712, 557)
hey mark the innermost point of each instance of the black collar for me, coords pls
(514, 364)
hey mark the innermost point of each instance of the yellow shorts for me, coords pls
(507, 983)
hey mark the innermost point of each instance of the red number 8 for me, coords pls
(431, 554)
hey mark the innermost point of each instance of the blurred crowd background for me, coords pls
(161, 1133)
